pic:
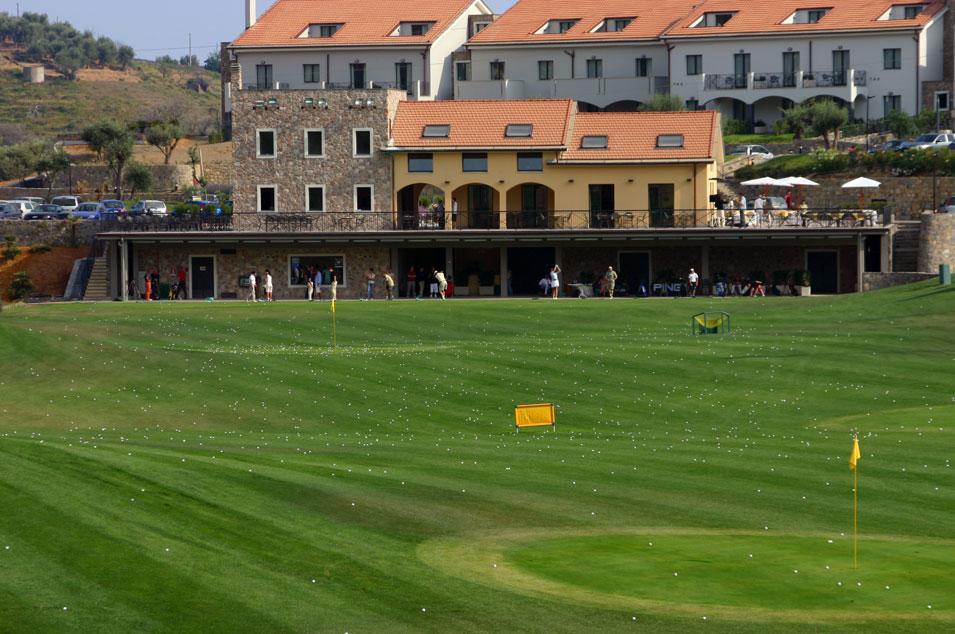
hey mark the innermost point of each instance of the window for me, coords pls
(722, 18)
(692, 104)
(892, 58)
(670, 140)
(596, 142)
(403, 75)
(328, 265)
(519, 130)
(644, 67)
(595, 68)
(364, 197)
(265, 143)
(420, 163)
(497, 70)
(814, 15)
(436, 131)
(565, 25)
(617, 24)
(263, 76)
(911, 12)
(323, 30)
(463, 71)
(357, 75)
(315, 198)
(694, 64)
(313, 73)
(713, 19)
(419, 29)
(315, 143)
(941, 101)
(474, 162)
(545, 69)
(361, 142)
(480, 26)
(266, 198)
(890, 103)
(530, 162)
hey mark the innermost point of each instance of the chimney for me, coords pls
(250, 14)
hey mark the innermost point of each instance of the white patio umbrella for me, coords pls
(766, 181)
(799, 182)
(862, 183)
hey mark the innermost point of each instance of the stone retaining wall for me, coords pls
(876, 281)
(56, 233)
(937, 245)
(905, 245)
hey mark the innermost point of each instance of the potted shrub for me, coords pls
(803, 280)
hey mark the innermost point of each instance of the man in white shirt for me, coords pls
(692, 282)
(758, 210)
(268, 286)
(742, 209)
(251, 297)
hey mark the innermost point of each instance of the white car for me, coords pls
(31, 199)
(930, 140)
(149, 208)
(21, 206)
(69, 203)
(752, 150)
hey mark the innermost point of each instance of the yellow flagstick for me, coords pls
(854, 465)
(334, 333)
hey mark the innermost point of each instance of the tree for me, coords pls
(105, 51)
(68, 61)
(899, 123)
(194, 160)
(164, 137)
(796, 120)
(99, 134)
(112, 144)
(662, 102)
(213, 62)
(51, 164)
(125, 56)
(138, 178)
(827, 117)
(188, 60)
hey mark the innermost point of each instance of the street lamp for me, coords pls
(71, 178)
(868, 99)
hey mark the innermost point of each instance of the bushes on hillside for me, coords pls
(908, 163)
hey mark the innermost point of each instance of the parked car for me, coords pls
(896, 145)
(752, 150)
(115, 208)
(930, 140)
(947, 206)
(47, 212)
(89, 211)
(68, 203)
(9, 211)
(31, 199)
(149, 208)
(21, 205)
(772, 202)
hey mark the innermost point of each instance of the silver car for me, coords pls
(9, 211)
(149, 208)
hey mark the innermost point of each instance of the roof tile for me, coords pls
(632, 136)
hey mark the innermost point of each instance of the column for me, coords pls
(886, 260)
(504, 292)
(501, 207)
(124, 269)
(860, 261)
(448, 220)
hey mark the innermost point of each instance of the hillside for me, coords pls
(144, 91)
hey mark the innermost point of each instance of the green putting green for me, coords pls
(783, 574)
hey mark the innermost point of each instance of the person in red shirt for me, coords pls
(181, 285)
(789, 200)
(412, 278)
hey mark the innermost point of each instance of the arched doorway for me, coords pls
(479, 207)
(626, 105)
(735, 109)
(530, 206)
(769, 110)
(584, 106)
(421, 206)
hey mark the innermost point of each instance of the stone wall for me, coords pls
(236, 261)
(56, 233)
(876, 281)
(290, 171)
(907, 196)
(905, 245)
(937, 245)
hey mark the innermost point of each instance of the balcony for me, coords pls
(600, 91)
(416, 90)
(845, 84)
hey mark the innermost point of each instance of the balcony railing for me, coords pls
(763, 81)
(573, 220)
(824, 79)
(780, 80)
(726, 82)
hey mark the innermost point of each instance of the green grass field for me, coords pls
(202, 467)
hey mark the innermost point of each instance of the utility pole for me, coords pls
(190, 48)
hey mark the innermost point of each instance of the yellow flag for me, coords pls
(333, 306)
(855, 455)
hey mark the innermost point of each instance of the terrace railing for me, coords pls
(560, 220)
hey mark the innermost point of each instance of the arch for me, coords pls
(479, 206)
(624, 105)
(586, 106)
(417, 206)
(530, 206)
(769, 109)
(732, 108)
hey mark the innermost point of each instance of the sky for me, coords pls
(159, 28)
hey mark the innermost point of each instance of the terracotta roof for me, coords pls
(364, 22)
(520, 22)
(481, 124)
(632, 136)
(755, 16)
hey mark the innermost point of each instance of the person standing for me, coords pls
(181, 287)
(389, 285)
(252, 295)
(155, 280)
(422, 280)
(692, 283)
(268, 286)
(454, 211)
(412, 283)
(149, 287)
(442, 283)
(318, 283)
(310, 285)
(789, 199)
(743, 203)
(554, 282)
(370, 285)
(334, 287)
(611, 277)
(758, 207)
(433, 283)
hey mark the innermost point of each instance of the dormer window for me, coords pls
(519, 130)
(903, 12)
(436, 131)
(557, 26)
(323, 30)
(670, 141)
(611, 25)
(413, 29)
(595, 142)
(806, 16)
(713, 19)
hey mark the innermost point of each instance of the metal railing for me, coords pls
(726, 82)
(824, 79)
(764, 81)
(560, 220)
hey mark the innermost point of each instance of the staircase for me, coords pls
(97, 289)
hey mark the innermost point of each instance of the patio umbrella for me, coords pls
(862, 183)
(799, 182)
(766, 181)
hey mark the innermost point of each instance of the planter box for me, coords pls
(804, 291)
